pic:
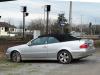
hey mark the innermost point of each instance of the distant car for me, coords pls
(61, 47)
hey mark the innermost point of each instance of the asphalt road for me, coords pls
(86, 66)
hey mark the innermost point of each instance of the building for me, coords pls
(6, 29)
(33, 33)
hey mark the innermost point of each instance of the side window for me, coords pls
(52, 40)
(39, 41)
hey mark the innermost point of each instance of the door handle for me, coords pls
(44, 46)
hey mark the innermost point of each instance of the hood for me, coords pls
(19, 47)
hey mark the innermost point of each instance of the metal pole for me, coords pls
(47, 22)
(23, 25)
(81, 24)
(44, 20)
(95, 27)
(70, 15)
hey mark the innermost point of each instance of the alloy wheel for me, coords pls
(64, 57)
(16, 57)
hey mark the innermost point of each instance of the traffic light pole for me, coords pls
(25, 13)
(47, 22)
(23, 25)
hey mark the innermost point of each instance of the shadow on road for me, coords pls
(40, 61)
(55, 61)
(77, 61)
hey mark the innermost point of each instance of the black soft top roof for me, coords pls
(61, 37)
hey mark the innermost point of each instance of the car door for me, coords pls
(38, 48)
(52, 47)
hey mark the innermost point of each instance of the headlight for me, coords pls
(8, 50)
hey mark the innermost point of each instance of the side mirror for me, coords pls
(29, 43)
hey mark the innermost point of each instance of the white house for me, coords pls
(34, 33)
(6, 29)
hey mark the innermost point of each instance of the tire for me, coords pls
(64, 57)
(16, 57)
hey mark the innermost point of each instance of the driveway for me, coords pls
(86, 66)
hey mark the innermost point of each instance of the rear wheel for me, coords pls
(64, 57)
(16, 57)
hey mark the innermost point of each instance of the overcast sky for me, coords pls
(84, 12)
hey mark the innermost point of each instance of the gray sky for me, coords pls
(82, 11)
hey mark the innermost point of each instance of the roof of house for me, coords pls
(4, 24)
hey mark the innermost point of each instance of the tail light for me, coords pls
(84, 46)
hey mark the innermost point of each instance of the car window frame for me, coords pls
(37, 44)
(54, 42)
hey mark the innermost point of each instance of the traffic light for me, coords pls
(48, 7)
(26, 14)
(24, 9)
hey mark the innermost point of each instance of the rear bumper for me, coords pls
(83, 53)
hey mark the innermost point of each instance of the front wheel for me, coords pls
(16, 57)
(64, 57)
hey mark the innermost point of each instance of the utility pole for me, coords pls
(48, 10)
(70, 15)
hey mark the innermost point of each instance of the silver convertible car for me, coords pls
(61, 47)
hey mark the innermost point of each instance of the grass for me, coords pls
(13, 74)
(97, 43)
(33, 70)
(6, 65)
(9, 67)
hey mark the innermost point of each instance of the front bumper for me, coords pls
(7, 55)
(83, 53)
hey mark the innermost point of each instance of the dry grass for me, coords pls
(97, 43)
(1, 55)
(8, 43)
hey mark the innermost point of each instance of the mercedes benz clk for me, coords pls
(61, 47)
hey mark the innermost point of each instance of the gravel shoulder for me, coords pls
(86, 66)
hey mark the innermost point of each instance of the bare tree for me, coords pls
(36, 25)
